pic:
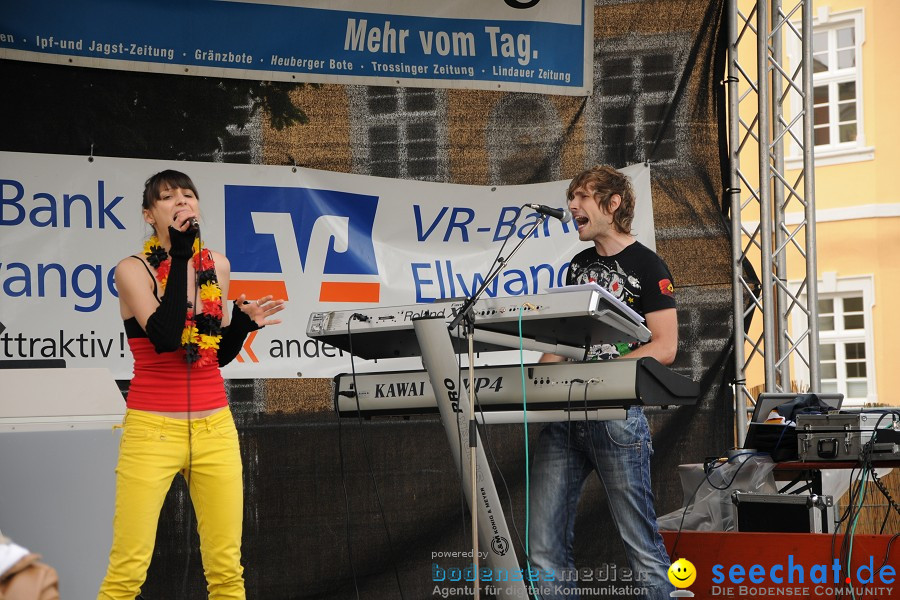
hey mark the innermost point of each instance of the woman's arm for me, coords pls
(162, 320)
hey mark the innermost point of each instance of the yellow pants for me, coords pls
(152, 450)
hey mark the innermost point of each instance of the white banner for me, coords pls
(322, 240)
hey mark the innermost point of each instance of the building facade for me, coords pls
(857, 215)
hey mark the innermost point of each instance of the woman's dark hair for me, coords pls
(163, 179)
(606, 182)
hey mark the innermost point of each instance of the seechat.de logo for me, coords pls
(268, 230)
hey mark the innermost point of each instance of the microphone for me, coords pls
(194, 223)
(562, 214)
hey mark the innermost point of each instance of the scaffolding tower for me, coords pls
(770, 105)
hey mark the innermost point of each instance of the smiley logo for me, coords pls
(682, 573)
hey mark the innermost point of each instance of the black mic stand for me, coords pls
(467, 315)
(465, 311)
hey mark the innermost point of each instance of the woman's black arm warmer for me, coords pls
(233, 336)
(165, 325)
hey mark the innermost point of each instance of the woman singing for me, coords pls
(177, 418)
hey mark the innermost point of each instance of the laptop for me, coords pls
(778, 439)
(766, 403)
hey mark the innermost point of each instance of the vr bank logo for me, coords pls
(303, 240)
(269, 230)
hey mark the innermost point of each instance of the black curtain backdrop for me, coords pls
(346, 509)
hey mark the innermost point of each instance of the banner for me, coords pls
(512, 45)
(320, 240)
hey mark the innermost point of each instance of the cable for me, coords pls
(487, 443)
(490, 450)
(868, 469)
(708, 467)
(472, 388)
(459, 441)
(848, 515)
(366, 453)
(851, 515)
(527, 460)
(490, 454)
(569, 515)
(346, 495)
(887, 494)
(880, 485)
(497, 263)
(187, 475)
(569, 423)
(855, 503)
(494, 270)
(852, 512)
(887, 551)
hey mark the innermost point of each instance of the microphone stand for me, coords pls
(465, 311)
(467, 314)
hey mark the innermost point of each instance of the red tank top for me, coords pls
(165, 383)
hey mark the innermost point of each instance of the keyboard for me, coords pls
(576, 319)
(549, 386)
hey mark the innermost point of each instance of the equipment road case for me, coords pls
(787, 513)
(841, 437)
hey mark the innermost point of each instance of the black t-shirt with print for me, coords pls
(637, 276)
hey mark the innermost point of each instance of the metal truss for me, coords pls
(770, 106)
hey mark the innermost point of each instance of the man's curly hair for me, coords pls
(607, 182)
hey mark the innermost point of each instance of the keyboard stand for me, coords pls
(452, 398)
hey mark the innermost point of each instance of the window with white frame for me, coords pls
(842, 346)
(846, 341)
(837, 41)
(835, 92)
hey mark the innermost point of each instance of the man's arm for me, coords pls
(663, 344)
(548, 358)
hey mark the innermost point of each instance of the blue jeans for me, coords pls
(620, 453)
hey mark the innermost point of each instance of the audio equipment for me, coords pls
(549, 386)
(564, 322)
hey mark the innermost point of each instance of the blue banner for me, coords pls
(510, 45)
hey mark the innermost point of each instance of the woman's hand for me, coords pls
(261, 310)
